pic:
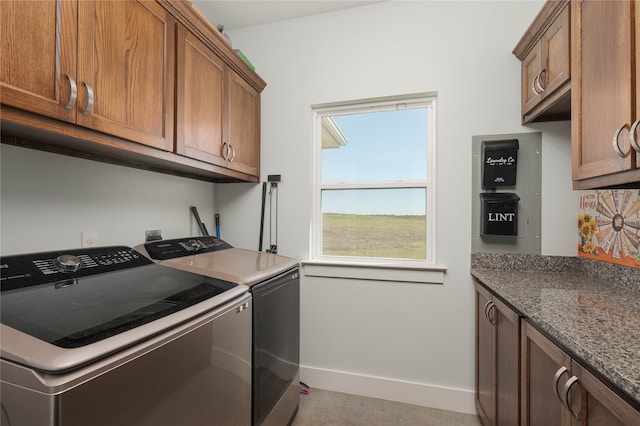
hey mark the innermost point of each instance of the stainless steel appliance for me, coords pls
(104, 336)
(274, 282)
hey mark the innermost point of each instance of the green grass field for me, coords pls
(374, 236)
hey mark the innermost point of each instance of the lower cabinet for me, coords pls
(497, 360)
(557, 390)
(524, 378)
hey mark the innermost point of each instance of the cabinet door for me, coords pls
(557, 55)
(531, 67)
(602, 406)
(243, 125)
(126, 62)
(507, 324)
(602, 99)
(497, 360)
(637, 117)
(485, 359)
(541, 361)
(199, 100)
(38, 50)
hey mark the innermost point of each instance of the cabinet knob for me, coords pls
(632, 136)
(74, 93)
(233, 153)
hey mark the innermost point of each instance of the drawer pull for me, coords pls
(616, 144)
(556, 379)
(632, 136)
(74, 93)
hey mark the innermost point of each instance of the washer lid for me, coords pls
(102, 312)
(240, 266)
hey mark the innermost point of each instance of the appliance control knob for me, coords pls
(68, 263)
(192, 245)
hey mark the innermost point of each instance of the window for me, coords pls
(374, 182)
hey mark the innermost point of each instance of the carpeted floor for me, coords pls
(326, 408)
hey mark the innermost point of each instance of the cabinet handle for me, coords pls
(73, 97)
(556, 379)
(233, 153)
(616, 145)
(533, 86)
(492, 308)
(225, 151)
(89, 109)
(486, 306)
(632, 136)
(565, 393)
(537, 81)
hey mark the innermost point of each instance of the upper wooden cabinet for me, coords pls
(104, 65)
(125, 57)
(149, 84)
(200, 100)
(38, 66)
(606, 96)
(546, 65)
(218, 112)
(243, 125)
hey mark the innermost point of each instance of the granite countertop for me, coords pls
(595, 316)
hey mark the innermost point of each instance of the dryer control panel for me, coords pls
(180, 247)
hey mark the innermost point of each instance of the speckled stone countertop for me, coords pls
(591, 310)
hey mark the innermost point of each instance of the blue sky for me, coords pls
(382, 146)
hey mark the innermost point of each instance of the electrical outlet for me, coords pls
(89, 239)
(153, 235)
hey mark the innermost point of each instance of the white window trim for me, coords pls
(403, 270)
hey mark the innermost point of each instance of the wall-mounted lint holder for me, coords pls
(499, 163)
(506, 193)
(499, 213)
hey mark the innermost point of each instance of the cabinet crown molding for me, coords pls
(543, 20)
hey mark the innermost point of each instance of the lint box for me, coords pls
(499, 163)
(499, 213)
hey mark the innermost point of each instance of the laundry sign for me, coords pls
(499, 163)
(609, 226)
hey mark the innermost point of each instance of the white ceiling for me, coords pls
(245, 13)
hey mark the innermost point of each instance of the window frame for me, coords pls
(373, 268)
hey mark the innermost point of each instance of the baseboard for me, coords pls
(451, 399)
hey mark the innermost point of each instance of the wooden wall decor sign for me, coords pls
(609, 226)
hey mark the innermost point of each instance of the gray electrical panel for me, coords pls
(506, 215)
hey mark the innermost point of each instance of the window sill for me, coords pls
(427, 274)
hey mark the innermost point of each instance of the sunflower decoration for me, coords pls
(587, 227)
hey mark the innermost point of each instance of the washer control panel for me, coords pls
(180, 247)
(40, 268)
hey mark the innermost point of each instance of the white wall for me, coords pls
(47, 200)
(408, 342)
